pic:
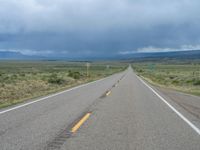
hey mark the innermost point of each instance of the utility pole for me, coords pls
(107, 66)
(87, 68)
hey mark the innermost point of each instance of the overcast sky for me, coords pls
(98, 27)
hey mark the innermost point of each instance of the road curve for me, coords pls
(119, 112)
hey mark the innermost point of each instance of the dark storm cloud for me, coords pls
(98, 27)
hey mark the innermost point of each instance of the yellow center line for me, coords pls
(108, 93)
(78, 124)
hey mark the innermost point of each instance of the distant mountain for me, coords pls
(10, 55)
(193, 54)
(6, 55)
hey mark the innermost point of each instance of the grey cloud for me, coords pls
(98, 26)
(67, 15)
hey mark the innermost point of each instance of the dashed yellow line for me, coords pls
(78, 124)
(108, 93)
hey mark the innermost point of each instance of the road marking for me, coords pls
(78, 124)
(108, 93)
(170, 106)
(41, 99)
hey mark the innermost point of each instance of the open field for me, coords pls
(22, 80)
(179, 75)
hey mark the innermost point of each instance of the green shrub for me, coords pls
(140, 70)
(14, 76)
(175, 82)
(54, 79)
(6, 78)
(75, 75)
(22, 74)
(196, 82)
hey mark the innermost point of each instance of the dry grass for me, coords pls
(183, 77)
(20, 81)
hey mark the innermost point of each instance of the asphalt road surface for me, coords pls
(120, 112)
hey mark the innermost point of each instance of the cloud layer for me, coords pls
(96, 27)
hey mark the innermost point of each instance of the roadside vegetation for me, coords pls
(179, 75)
(23, 80)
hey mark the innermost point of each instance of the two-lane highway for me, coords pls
(120, 112)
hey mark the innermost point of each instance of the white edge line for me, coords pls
(52, 95)
(170, 106)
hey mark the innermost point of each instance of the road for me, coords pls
(120, 112)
